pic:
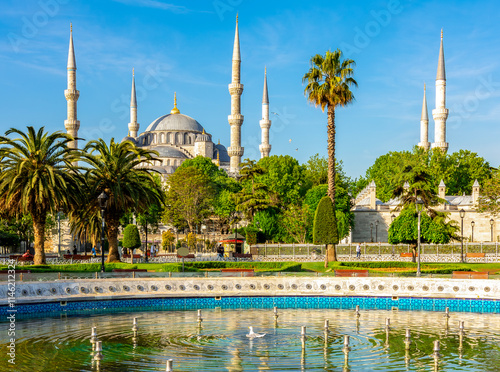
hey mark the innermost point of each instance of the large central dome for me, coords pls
(176, 122)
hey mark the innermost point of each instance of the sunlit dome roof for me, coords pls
(169, 152)
(176, 122)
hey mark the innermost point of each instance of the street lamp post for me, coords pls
(85, 237)
(204, 228)
(59, 232)
(376, 231)
(103, 201)
(419, 203)
(491, 229)
(472, 223)
(462, 215)
(146, 215)
(371, 232)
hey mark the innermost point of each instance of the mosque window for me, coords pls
(186, 137)
(162, 138)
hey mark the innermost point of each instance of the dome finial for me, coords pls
(219, 142)
(175, 110)
(218, 160)
(203, 131)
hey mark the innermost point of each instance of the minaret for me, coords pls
(235, 150)
(265, 123)
(72, 124)
(133, 126)
(424, 126)
(440, 113)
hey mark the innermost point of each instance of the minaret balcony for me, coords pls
(440, 114)
(71, 94)
(235, 88)
(265, 124)
(236, 119)
(235, 151)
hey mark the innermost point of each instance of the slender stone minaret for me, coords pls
(424, 126)
(265, 123)
(72, 124)
(440, 113)
(133, 126)
(235, 150)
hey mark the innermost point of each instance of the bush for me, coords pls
(375, 265)
(131, 238)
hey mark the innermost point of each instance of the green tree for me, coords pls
(295, 220)
(316, 171)
(131, 238)
(37, 178)
(284, 179)
(325, 227)
(167, 239)
(489, 199)
(253, 195)
(188, 197)
(121, 170)
(329, 80)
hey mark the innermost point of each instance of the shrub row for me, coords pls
(383, 264)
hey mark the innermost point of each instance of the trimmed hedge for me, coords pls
(376, 265)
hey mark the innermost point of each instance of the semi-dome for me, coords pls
(170, 152)
(203, 137)
(131, 139)
(177, 122)
(223, 155)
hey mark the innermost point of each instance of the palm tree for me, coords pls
(37, 177)
(121, 170)
(329, 80)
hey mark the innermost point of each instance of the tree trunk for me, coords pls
(413, 252)
(326, 256)
(39, 232)
(112, 234)
(331, 153)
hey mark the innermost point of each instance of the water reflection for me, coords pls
(63, 344)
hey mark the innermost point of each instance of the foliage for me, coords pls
(131, 238)
(267, 221)
(37, 178)
(191, 240)
(253, 195)
(284, 179)
(258, 266)
(188, 197)
(325, 225)
(167, 239)
(404, 229)
(489, 199)
(316, 170)
(251, 235)
(458, 170)
(295, 221)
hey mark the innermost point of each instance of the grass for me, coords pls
(374, 267)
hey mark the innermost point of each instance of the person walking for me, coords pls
(358, 251)
(93, 252)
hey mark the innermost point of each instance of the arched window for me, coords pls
(177, 139)
(168, 138)
(162, 138)
(186, 139)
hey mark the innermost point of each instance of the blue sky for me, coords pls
(186, 46)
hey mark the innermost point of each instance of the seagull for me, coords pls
(252, 334)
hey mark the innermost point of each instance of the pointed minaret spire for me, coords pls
(175, 110)
(265, 123)
(441, 74)
(72, 124)
(133, 126)
(235, 151)
(440, 113)
(424, 125)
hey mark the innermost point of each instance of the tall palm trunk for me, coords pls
(39, 232)
(331, 254)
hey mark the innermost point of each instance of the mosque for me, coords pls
(175, 136)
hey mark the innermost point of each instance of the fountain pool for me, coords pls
(62, 343)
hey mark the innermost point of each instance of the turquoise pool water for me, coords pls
(62, 343)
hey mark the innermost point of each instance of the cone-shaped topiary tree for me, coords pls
(325, 228)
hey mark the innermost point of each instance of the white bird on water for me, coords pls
(252, 334)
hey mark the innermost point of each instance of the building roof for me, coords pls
(223, 155)
(175, 122)
(169, 152)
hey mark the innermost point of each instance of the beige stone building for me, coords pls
(373, 217)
